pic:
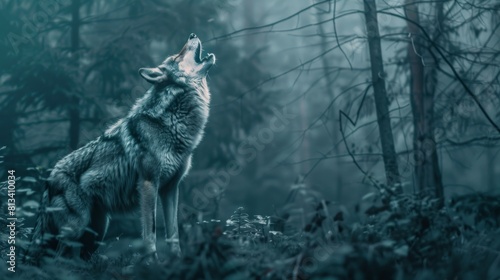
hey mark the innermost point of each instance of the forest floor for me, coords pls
(407, 237)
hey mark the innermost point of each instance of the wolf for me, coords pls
(138, 160)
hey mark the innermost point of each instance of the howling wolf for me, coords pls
(141, 157)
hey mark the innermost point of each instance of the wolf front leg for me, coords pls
(148, 192)
(170, 201)
(169, 194)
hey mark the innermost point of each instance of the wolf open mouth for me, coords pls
(197, 56)
(191, 56)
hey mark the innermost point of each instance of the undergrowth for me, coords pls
(403, 237)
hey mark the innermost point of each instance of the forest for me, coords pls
(345, 140)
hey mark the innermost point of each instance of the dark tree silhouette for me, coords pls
(74, 100)
(423, 81)
(381, 102)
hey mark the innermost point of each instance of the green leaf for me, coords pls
(53, 209)
(368, 196)
(402, 251)
(31, 204)
(28, 191)
(28, 179)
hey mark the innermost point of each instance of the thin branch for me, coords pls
(457, 76)
(269, 24)
(355, 122)
(335, 32)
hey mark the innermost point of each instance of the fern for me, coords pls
(239, 224)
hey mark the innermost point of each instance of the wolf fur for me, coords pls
(139, 159)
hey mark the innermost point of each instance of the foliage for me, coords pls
(482, 208)
(410, 239)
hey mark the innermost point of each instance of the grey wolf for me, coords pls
(138, 160)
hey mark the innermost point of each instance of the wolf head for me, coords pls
(185, 68)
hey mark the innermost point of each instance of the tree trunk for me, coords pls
(423, 73)
(381, 102)
(74, 111)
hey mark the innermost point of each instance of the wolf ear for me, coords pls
(153, 75)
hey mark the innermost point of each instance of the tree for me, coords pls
(380, 94)
(423, 81)
(73, 110)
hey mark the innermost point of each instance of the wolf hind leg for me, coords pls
(95, 232)
(70, 217)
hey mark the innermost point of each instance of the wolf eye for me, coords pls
(162, 68)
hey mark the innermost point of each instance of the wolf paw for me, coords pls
(150, 258)
(174, 246)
